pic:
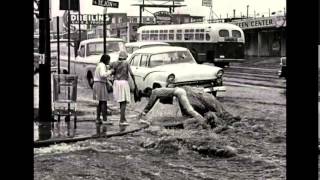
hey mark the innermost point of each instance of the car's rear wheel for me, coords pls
(90, 80)
(214, 93)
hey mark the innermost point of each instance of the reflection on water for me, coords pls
(63, 129)
(122, 128)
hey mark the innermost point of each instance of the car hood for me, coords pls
(190, 71)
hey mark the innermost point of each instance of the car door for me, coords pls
(134, 65)
(142, 70)
(79, 63)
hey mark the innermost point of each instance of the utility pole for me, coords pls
(247, 11)
(45, 112)
(269, 12)
(234, 13)
(104, 32)
(79, 24)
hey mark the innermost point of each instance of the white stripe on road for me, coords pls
(247, 85)
(264, 69)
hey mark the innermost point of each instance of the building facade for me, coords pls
(265, 36)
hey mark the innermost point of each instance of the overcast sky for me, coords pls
(194, 7)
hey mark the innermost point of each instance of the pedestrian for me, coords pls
(121, 88)
(100, 92)
(193, 102)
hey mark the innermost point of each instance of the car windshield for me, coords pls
(171, 58)
(96, 48)
(153, 45)
(54, 46)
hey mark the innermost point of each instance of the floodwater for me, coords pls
(254, 148)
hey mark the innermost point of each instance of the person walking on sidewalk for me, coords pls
(100, 92)
(121, 88)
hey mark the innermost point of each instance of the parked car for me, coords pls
(172, 66)
(88, 55)
(63, 43)
(283, 67)
(133, 46)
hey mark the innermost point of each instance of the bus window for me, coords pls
(171, 36)
(236, 33)
(179, 37)
(145, 37)
(224, 33)
(171, 31)
(207, 37)
(153, 36)
(199, 37)
(165, 37)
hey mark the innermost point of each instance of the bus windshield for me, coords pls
(96, 48)
(171, 58)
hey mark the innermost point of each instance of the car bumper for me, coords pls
(215, 89)
(228, 60)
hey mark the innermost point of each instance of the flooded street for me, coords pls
(254, 148)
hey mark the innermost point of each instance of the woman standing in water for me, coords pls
(100, 92)
(121, 88)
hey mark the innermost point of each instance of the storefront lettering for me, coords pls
(88, 19)
(256, 23)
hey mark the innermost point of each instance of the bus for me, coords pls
(217, 43)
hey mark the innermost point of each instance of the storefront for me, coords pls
(264, 36)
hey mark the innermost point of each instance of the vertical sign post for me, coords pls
(44, 72)
(105, 3)
(58, 44)
(104, 33)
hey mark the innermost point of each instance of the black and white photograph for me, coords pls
(160, 89)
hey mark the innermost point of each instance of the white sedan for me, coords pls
(172, 66)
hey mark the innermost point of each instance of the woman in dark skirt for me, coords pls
(100, 92)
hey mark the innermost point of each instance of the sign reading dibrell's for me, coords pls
(259, 22)
(162, 17)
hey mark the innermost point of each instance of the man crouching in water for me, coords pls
(194, 103)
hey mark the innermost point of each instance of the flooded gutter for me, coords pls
(44, 143)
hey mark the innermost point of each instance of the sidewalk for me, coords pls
(87, 128)
(259, 62)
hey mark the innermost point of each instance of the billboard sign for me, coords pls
(207, 3)
(163, 17)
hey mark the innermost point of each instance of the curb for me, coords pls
(49, 142)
